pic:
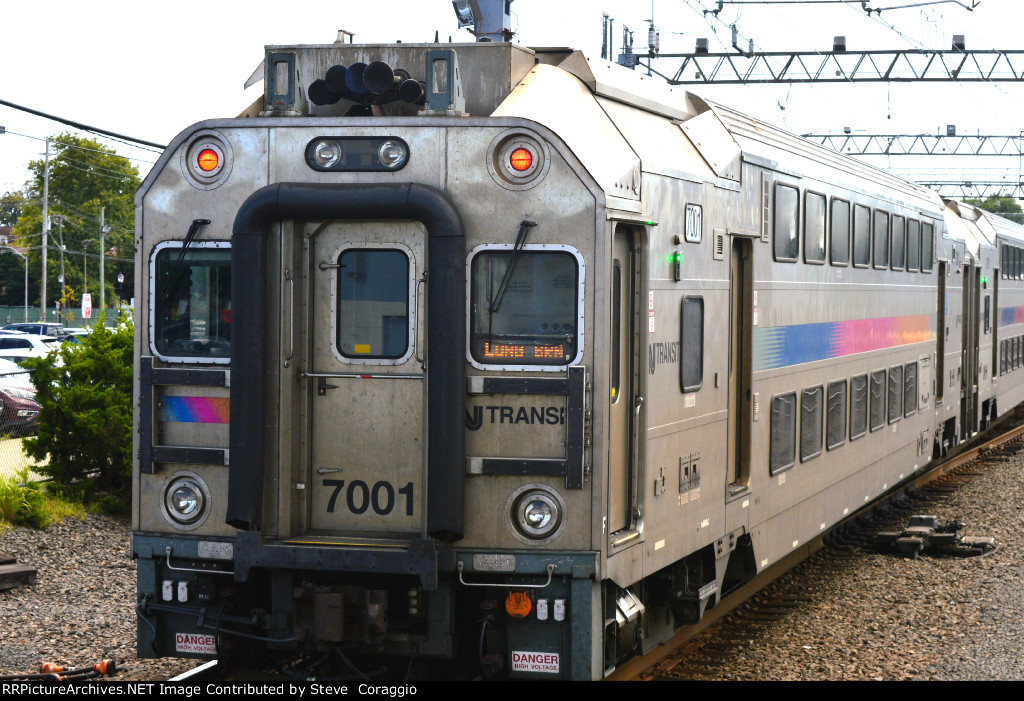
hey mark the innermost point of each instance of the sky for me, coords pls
(149, 70)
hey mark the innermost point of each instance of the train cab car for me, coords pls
(478, 360)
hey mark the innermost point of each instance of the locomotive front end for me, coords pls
(363, 391)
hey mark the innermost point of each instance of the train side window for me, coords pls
(783, 433)
(814, 228)
(899, 242)
(811, 401)
(895, 393)
(909, 389)
(858, 406)
(988, 314)
(1016, 253)
(913, 245)
(787, 214)
(840, 232)
(835, 415)
(691, 368)
(861, 236)
(373, 304)
(927, 246)
(880, 237)
(877, 400)
(191, 301)
(1003, 251)
(525, 306)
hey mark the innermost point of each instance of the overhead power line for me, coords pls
(79, 125)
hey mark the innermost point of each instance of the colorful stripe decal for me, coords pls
(782, 346)
(201, 410)
(1011, 315)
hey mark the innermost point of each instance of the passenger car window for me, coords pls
(373, 303)
(880, 237)
(895, 393)
(814, 228)
(835, 415)
(783, 433)
(840, 233)
(691, 367)
(787, 214)
(524, 307)
(858, 406)
(913, 245)
(861, 236)
(191, 302)
(877, 400)
(927, 246)
(811, 401)
(899, 242)
(910, 389)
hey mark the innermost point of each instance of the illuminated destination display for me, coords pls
(520, 351)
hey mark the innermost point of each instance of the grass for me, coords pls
(25, 502)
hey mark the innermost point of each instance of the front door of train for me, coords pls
(365, 377)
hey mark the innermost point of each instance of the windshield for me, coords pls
(535, 322)
(192, 304)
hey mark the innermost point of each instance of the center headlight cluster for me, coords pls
(536, 514)
(357, 153)
(186, 501)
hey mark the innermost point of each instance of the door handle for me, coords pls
(322, 387)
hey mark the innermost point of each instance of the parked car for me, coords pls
(20, 346)
(42, 328)
(74, 335)
(19, 411)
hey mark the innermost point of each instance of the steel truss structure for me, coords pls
(922, 144)
(911, 65)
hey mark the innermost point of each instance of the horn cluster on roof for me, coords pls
(375, 83)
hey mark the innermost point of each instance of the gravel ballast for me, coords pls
(881, 617)
(81, 609)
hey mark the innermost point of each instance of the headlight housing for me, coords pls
(536, 514)
(186, 502)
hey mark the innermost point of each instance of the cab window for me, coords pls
(191, 302)
(524, 307)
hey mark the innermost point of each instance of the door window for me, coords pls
(373, 303)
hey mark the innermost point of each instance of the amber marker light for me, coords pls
(521, 159)
(207, 160)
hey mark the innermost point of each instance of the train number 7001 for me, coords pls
(359, 496)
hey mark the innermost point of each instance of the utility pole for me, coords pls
(60, 238)
(102, 232)
(46, 226)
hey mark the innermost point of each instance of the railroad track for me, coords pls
(777, 593)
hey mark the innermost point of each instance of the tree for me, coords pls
(1005, 207)
(85, 425)
(85, 176)
(10, 207)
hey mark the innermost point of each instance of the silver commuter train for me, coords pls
(476, 359)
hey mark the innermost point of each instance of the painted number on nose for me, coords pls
(359, 496)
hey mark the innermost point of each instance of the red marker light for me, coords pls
(208, 160)
(521, 159)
